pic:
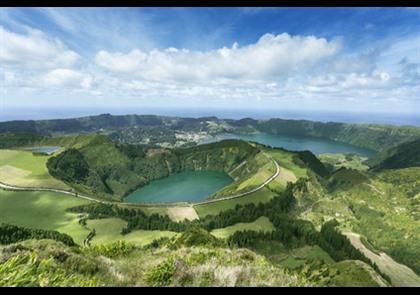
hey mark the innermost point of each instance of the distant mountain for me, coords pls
(402, 156)
(133, 128)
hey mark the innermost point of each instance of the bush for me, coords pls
(162, 274)
(111, 250)
(196, 236)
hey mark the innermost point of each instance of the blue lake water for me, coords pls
(187, 186)
(43, 149)
(297, 143)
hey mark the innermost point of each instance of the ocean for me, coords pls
(8, 114)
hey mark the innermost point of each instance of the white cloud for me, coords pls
(271, 56)
(118, 62)
(67, 78)
(33, 50)
(276, 70)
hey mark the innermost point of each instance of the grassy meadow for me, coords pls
(22, 168)
(109, 230)
(43, 210)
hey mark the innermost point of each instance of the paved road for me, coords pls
(42, 189)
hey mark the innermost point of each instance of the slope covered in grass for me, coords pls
(22, 168)
(42, 210)
(109, 230)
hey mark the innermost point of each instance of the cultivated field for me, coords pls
(181, 213)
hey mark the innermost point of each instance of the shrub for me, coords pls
(114, 249)
(162, 274)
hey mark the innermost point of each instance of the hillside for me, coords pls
(51, 263)
(102, 167)
(373, 136)
(402, 156)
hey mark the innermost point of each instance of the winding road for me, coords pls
(44, 189)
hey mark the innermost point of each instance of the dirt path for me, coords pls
(401, 275)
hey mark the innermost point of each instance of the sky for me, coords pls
(312, 59)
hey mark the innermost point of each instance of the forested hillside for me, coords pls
(402, 156)
(101, 166)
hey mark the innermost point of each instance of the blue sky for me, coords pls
(344, 59)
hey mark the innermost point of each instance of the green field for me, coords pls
(109, 230)
(262, 196)
(285, 159)
(291, 258)
(341, 160)
(260, 224)
(22, 168)
(42, 210)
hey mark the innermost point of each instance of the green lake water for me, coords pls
(187, 186)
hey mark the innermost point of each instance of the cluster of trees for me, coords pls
(69, 166)
(292, 233)
(131, 151)
(9, 139)
(281, 203)
(136, 218)
(10, 234)
(154, 222)
(296, 233)
(338, 245)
